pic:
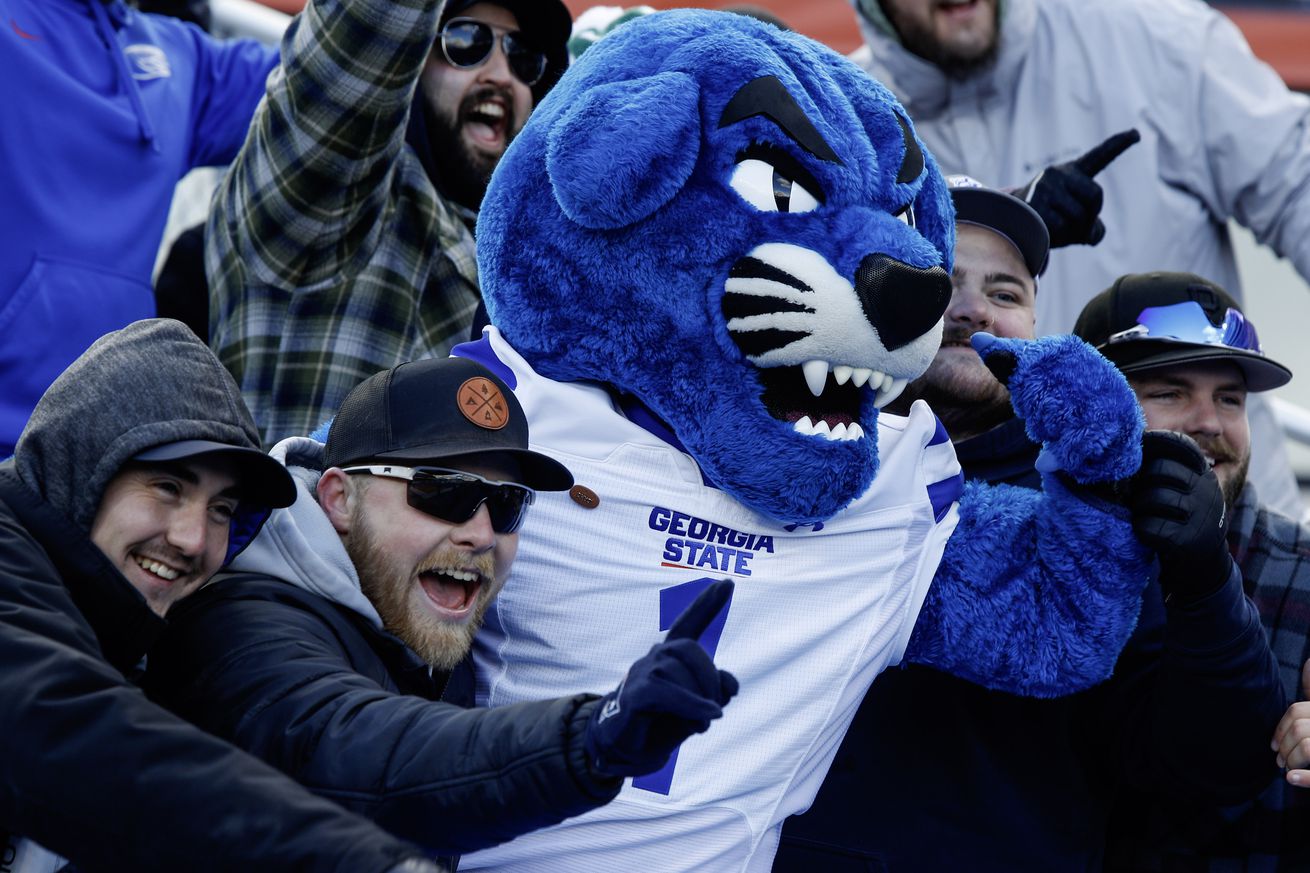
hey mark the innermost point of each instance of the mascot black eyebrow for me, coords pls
(713, 253)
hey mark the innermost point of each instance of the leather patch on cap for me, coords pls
(482, 403)
(584, 496)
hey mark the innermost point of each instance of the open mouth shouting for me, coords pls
(452, 592)
(488, 119)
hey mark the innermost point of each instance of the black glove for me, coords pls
(672, 692)
(1067, 197)
(1178, 510)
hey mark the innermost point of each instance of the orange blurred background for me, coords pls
(1280, 36)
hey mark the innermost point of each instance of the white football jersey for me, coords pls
(818, 610)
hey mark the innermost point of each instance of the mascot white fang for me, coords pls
(713, 253)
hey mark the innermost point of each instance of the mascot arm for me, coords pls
(1038, 590)
(302, 202)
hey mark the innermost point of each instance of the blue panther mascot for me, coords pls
(715, 251)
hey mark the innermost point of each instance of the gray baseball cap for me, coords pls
(1004, 214)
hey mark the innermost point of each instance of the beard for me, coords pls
(957, 63)
(466, 170)
(961, 390)
(398, 597)
(1235, 480)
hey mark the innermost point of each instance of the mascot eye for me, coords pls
(906, 214)
(773, 181)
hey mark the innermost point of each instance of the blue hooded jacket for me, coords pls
(106, 108)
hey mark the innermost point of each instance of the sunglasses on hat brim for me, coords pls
(1187, 322)
(468, 43)
(454, 496)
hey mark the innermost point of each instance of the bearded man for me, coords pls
(1045, 785)
(337, 649)
(340, 242)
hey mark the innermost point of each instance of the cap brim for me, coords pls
(1010, 217)
(260, 479)
(1261, 373)
(537, 471)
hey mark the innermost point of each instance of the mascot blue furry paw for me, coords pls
(715, 251)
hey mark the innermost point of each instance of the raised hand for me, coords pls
(672, 692)
(1068, 198)
(1291, 743)
(1090, 426)
(1178, 511)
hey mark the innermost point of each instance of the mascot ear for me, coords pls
(624, 149)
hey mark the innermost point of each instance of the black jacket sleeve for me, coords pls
(284, 678)
(1196, 698)
(94, 771)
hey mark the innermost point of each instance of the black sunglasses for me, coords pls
(454, 497)
(467, 42)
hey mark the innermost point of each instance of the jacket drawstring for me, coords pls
(101, 14)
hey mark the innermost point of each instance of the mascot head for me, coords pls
(737, 226)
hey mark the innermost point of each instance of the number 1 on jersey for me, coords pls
(673, 601)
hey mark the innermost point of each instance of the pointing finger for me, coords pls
(1098, 158)
(697, 617)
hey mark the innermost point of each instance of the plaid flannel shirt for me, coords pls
(330, 254)
(1271, 833)
(1273, 552)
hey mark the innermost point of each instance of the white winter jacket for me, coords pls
(1222, 137)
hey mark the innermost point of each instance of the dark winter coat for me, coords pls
(937, 774)
(89, 768)
(287, 659)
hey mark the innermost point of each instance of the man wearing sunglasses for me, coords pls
(1033, 783)
(340, 243)
(138, 475)
(337, 650)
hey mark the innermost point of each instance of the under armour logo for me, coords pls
(611, 707)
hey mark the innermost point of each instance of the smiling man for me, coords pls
(341, 241)
(337, 650)
(1193, 359)
(1001, 247)
(138, 475)
(1033, 783)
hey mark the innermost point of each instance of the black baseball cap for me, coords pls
(1004, 214)
(261, 480)
(1149, 320)
(434, 410)
(546, 24)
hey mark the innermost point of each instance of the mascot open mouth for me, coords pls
(819, 399)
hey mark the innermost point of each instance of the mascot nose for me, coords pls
(901, 302)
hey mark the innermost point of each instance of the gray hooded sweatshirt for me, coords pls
(92, 769)
(151, 383)
(299, 545)
(1222, 138)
